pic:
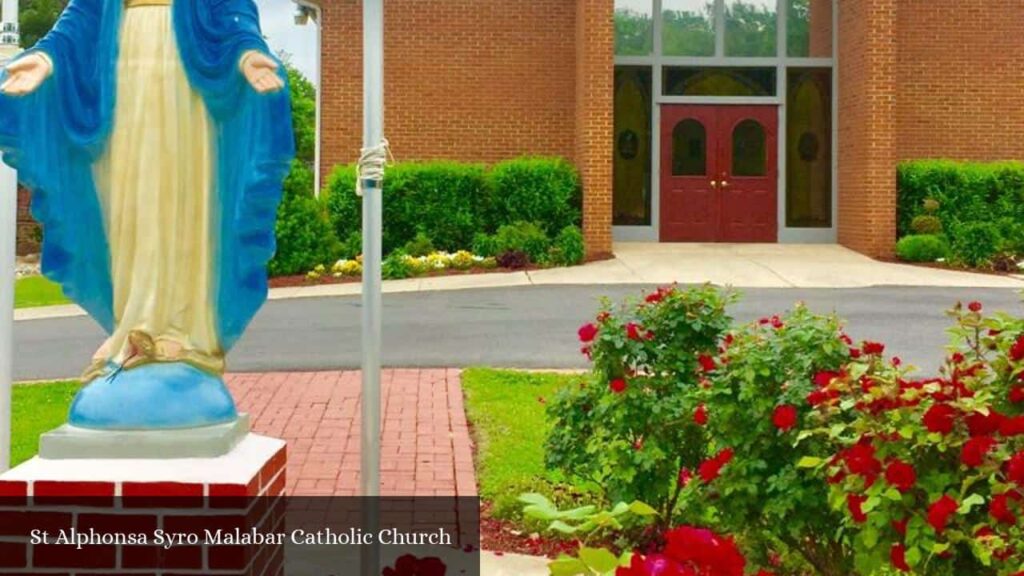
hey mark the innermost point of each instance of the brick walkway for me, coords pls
(426, 448)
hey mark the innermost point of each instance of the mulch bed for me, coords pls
(951, 268)
(505, 537)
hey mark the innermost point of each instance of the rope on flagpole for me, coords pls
(372, 163)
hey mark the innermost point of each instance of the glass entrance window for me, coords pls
(631, 167)
(634, 27)
(749, 149)
(809, 148)
(688, 27)
(689, 149)
(700, 81)
(750, 27)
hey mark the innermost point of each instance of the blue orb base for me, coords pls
(159, 396)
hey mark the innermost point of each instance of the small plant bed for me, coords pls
(961, 215)
(506, 410)
(36, 409)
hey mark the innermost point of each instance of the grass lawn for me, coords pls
(34, 291)
(37, 408)
(507, 415)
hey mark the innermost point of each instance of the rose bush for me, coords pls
(929, 473)
(631, 431)
(754, 409)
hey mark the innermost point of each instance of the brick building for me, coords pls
(694, 120)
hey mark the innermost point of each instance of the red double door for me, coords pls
(719, 173)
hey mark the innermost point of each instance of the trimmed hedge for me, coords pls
(980, 205)
(452, 202)
(445, 200)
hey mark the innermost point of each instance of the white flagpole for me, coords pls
(373, 133)
(8, 238)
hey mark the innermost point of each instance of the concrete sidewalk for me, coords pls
(738, 265)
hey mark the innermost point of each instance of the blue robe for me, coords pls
(54, 136)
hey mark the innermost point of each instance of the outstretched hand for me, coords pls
(25, 75)
(261, 72)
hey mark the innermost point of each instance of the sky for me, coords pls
(278, 21)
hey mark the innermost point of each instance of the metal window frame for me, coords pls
(782, 62)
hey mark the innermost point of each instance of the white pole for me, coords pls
(373, 133)
(8, 238)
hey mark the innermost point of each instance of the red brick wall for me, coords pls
(595, 105)
(959, 79)
(481, 80)
(867, 113)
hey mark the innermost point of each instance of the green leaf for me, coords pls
(568, 566)
(599, 559)
(559, 526)
(535, 500)
(970, 502)
(641, 509)
(809, 462)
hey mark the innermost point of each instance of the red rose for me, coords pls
(873, 348)
(979, 424)
(617, 386)
(853, 504)
(957, 358)
(974, 451)
(940, 511)
(940, 418)
(588, 332)
(860, 459)
(700, 415)
(999, 508)
(700, 551)
(633, 331)
(1011, 426)
(712, 467)
(974, 306)
(1017, 394)
(777, 322)
(784, 417)
(824, 378)
(898, 557)
(900, 475)
(707, 363)
(1017, 350)
(1015, 468)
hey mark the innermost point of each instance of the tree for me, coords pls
(303, 95)
(37, 17)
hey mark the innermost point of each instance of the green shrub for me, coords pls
(484, 245)
(921, 248)
(446, 199)
(525, 237)
(926, 224)
(396, 266)
(541, 190)
(420, 245)
(352, 246)
(975, 243)
(981, 201)
(568, 248)
(630, 429)
(304, 234)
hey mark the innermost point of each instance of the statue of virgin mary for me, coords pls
(155, 135)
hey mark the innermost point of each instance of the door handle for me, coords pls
(714, 184)
(725, 184)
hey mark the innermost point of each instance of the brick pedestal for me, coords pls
(109, 501)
